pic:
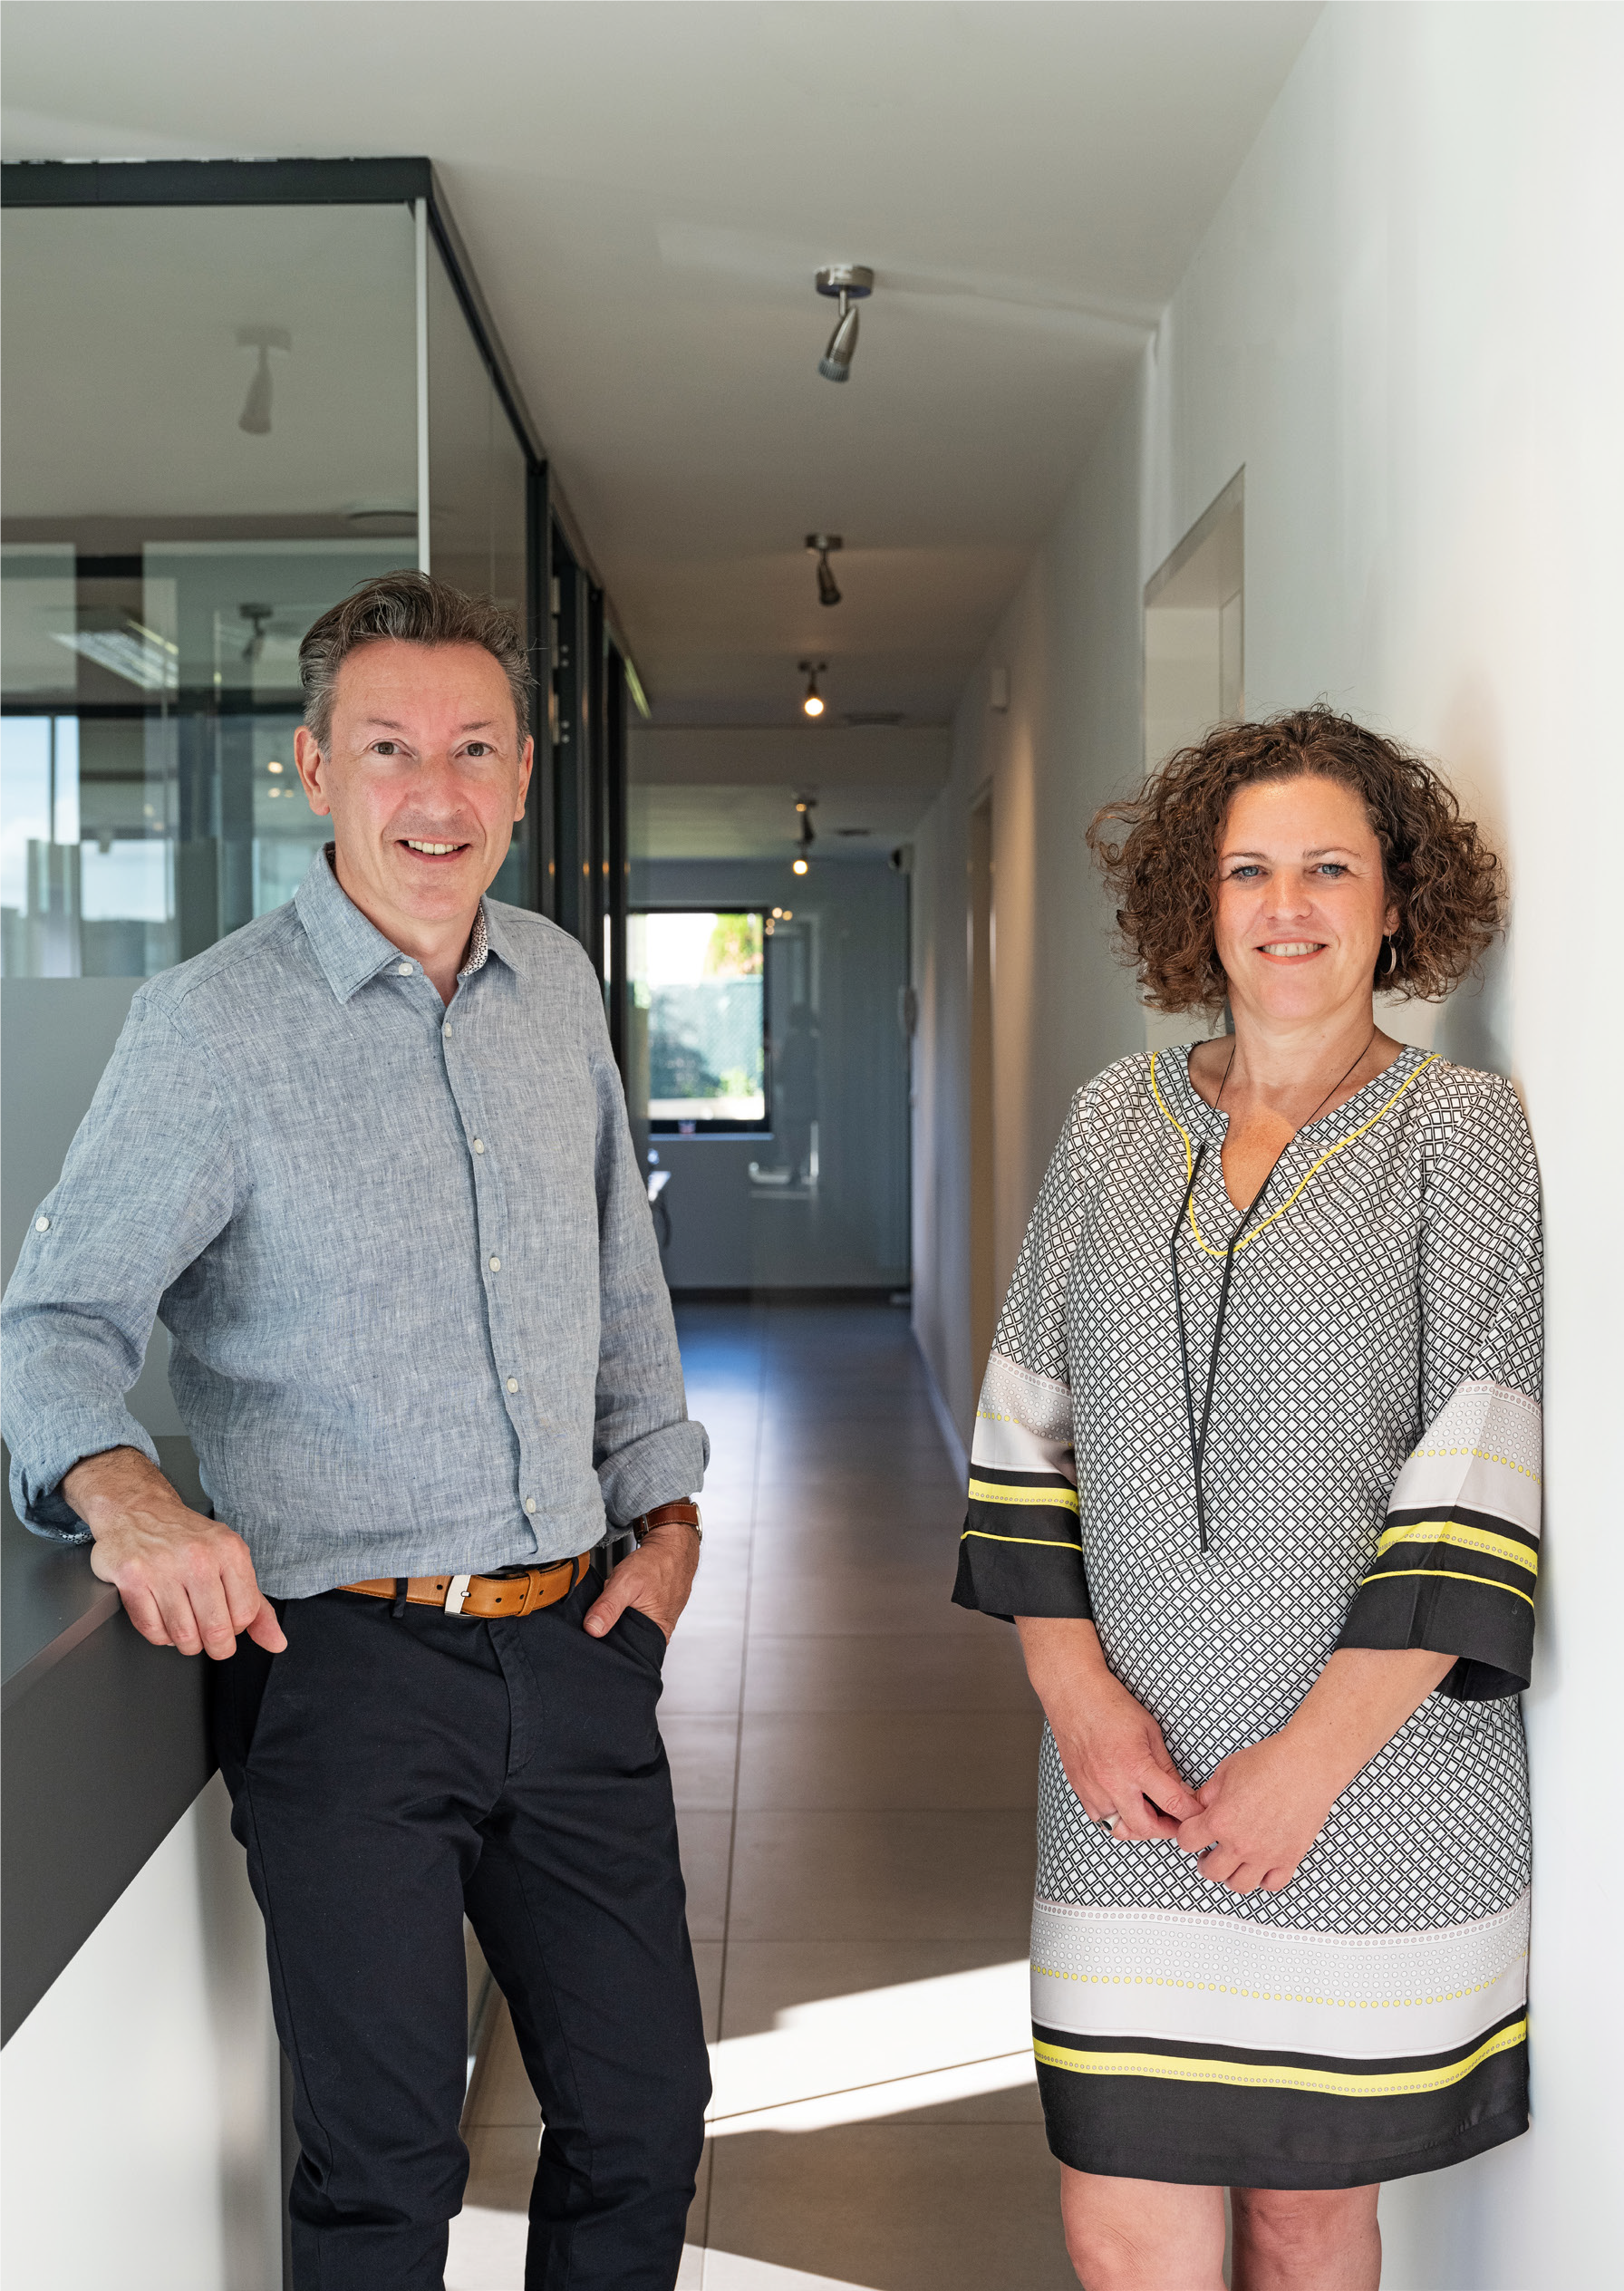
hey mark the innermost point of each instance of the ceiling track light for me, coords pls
(805, 807)
(812, 704)
(820, 543)
(255, 415)
(849, 283)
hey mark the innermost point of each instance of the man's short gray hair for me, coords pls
(415, 610)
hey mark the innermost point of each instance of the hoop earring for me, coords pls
(1390, 959)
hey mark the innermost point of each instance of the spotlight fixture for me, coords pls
(255, 415)
(820, 543)
(813, 703)
(805, 806)
(259, 617)
(850, 283)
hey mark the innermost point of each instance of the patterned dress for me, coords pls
(1372, 1479)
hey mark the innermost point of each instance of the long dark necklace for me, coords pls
(1198, 1432)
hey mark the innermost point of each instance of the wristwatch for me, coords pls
(683, 1514)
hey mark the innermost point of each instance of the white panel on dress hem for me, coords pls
(1216, 1981)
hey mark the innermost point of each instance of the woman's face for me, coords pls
(1302, 905)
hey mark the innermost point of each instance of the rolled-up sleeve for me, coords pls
(147, 1185)
(646, 1449)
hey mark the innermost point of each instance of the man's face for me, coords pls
(423, 777)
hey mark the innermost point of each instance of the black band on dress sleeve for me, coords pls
(1458, 1556)
(1019, 1553)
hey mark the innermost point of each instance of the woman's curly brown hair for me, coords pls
(1446, 883)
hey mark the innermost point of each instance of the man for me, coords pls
(368, 1159)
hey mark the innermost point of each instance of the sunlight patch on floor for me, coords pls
(882, 2052)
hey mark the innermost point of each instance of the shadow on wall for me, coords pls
(248, 2057)
(1474, 1027)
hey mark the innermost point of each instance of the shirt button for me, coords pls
(529, 1503)
(42, 1224)
(402, 970)
(446, 1027)
(495, 1264)
(478, 1144)
(513, 1384)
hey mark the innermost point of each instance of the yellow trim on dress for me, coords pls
(1444, 1574)
(1486, 1456)
(1378, 2084)
(1043, 1543)
(1467, 1539)
(1246, 1240)
(1064, 1499)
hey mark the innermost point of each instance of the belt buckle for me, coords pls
(456, 1596)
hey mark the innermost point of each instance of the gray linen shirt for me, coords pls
(403, 1252)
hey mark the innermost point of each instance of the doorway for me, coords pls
(1195, 667)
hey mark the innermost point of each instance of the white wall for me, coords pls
(1070, 737)
(1405, 325)
(140, 2098)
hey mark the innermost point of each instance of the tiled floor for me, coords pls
(855, 1763)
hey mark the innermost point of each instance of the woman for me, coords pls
(1256, 1473)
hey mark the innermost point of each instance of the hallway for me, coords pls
(854, 1762)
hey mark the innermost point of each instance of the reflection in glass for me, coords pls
(162, 562)
(477, 492)
(699, 978)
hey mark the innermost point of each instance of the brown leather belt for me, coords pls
(485, 1598)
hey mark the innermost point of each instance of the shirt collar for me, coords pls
(350, 949)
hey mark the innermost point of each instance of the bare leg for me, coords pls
(1142, 2235)
(1307, 2239)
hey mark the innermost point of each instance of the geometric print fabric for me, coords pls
(1394, 1260)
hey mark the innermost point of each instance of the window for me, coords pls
(697, 983)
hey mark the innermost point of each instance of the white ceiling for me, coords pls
(645, 190)
(730, 793)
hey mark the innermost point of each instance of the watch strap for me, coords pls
(685, 1513)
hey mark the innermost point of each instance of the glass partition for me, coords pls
(477, 505)
(212, 438)
(206, 443)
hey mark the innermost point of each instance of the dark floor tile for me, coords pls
(869, 1876)
(914, 1760)
(891, 1671)
(933, 2206)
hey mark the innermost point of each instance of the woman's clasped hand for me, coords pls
(1262, 1809)
(1255, 1816)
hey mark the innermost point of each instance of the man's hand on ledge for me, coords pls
(185, 1582)
(655, 1579)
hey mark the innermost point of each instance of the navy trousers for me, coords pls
(391, 1770)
